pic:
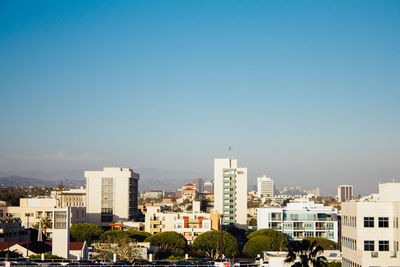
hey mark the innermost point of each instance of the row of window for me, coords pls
(349, 263)
(383, 222)
(383, 245)
(349, 243)
(349, 221)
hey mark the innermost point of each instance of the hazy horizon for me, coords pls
(304, 92)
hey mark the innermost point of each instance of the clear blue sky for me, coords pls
(307, 92)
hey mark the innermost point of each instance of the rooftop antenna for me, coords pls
(230, 158)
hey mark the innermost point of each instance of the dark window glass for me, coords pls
(368, 221)
(384, 245)
(383, 222)
(369, 245)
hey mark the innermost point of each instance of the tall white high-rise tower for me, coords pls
(230, 192)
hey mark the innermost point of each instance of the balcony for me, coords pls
(229, 175)
(298, 228)
(155, 222)
(229, 186)
(320, 228)
(229, 209)
(230, 198)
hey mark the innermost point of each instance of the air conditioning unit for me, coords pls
(374, 254)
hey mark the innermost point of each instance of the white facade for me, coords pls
(370, 229)
(300, 220)
(230, 192)
(265, 187)
(345, 193)
(112, 195)
(61, 223)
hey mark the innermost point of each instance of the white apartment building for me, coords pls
(112, 195)
(265, 187)
(345, 193)
(230, 192)
(370, 229)
(301, 219)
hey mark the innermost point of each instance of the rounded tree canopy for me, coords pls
(210, 244)
(137, 236)
(261, 243)
(279, 240)
(326, 244)
(113, 236)
(85, 232)
(167, 240)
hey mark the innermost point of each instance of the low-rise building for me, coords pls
(189, 191)
(190, 225)
(70, 198)
(32, 210)
(12, 230)
(301, 219)
(370, 229)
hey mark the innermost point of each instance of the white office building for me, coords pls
(345, 193)
(112, 195)
(370, 229)
(265, 187)
(301, 219)
(230, 192)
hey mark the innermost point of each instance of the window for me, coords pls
(369, 245)
(368, 221)
(384, 245)
(383, 222)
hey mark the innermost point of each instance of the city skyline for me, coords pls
(306, 93)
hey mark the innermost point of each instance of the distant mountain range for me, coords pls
(149, 178)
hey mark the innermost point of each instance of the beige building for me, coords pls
(230, 192)
(70, 198)
(370, 229)
(190, 225)
(345, 193)
(32, 210)
(112, 195)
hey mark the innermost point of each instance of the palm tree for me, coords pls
(307, 252)
(46, 224)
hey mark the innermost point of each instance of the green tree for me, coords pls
(137, 236)
(124, 249)
(168, 243)
(276, 240)
(112, 236)
(260, 243)
(204, 204)
(326, 244)
(308, 254)
(85, 232)
(46, 224)
(253, 222)
(210, 243)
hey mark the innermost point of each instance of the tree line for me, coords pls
(236, 243)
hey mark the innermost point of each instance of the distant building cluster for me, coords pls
(367, 227)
